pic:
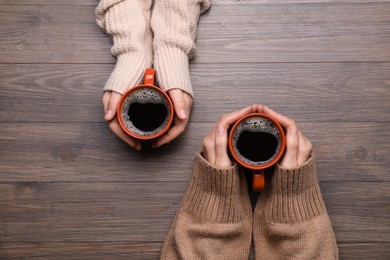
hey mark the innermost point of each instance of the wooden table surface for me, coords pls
(69, 189)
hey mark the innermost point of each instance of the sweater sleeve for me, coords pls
(214, 218)
(127, 23)
(174, 24)
(290, 219)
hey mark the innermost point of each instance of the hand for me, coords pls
(298, 147)
(182, 103)
(110, 101)
(216, 143)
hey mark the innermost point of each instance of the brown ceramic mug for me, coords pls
(145, 112)
(257, 142)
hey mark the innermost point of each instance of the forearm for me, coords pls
(127, 23)
(174, 23)
(214, 217)
(290, 218)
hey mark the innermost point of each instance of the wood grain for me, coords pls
(69, 189)
(151, 250)
(325, 32)
(90, 152)
(247, 2)
(307, 92)
(107, 211)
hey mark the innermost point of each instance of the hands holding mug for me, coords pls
(182, 103)
(215, 145)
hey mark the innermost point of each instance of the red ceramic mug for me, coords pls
(257, 142)
(145, 112)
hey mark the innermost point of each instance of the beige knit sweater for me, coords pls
(138, 31)
(214, 219)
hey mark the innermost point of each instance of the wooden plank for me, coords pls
(90, 152)
(82, 250)
(324, 32)
(364, 251)
(306, 92)
(132, 212)
(219, 2)
(49, 2)
(150, 250)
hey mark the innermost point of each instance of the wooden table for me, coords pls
(69, 189)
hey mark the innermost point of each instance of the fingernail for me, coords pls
(108, 114)
(221, 130)
(292, 131)
(183, 114)
(138, 147)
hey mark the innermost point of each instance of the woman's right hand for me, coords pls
(298, 147)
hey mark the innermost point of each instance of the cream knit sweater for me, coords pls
(139, 31)
(214, 219)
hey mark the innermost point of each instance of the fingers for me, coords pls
(117, 130)
(290, 159)
(215, 144)
(221, 156)
(298, 149)
(111, 105)
(305, 149)
(182, 103)
(228, 119)
(105, 98)
(179, 103)
(283, 120)
(172, 134)
(209, 146)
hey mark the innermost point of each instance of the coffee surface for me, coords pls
(147, 116)
(145, 112)
(256, 141)
(257, 146)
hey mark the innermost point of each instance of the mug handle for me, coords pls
(258, 181)
(149, 77)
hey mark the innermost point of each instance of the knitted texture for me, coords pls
(214, 218)
(127, 22)
(174, 23)
(290, 219)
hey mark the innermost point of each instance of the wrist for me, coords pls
(172, 69)
(128, 72)
(292, 195)
(215, 194)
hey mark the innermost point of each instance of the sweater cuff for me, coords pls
(128, 72)
(215, 194)
(172, 69)
(293, 195)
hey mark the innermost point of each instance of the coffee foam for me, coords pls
(144, 95)
(256, 124)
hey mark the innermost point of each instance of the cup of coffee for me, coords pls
(257, 142)
(145, 112)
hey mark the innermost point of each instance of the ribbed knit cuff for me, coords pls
(128, 72)
(172, 69)
(292, 195)
(216, 195)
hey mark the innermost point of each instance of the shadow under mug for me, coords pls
(257, 142)
(145, 112)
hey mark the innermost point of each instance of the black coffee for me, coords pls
(257, 146)
(147, 116)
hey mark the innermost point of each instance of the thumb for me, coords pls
(112, 106)
(290, 159)
(179, 103)
(221, 157)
